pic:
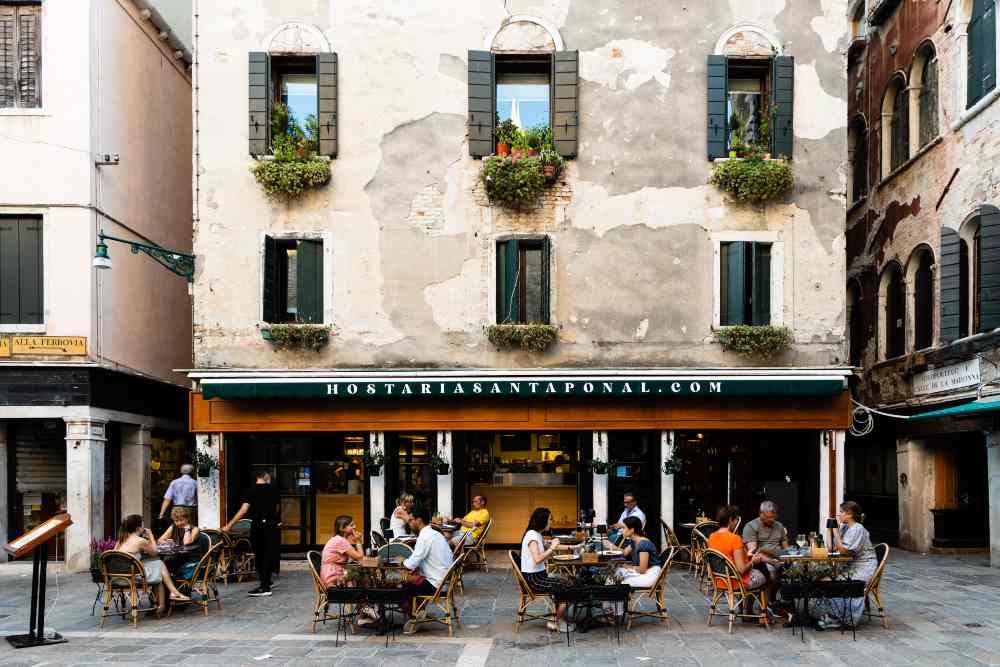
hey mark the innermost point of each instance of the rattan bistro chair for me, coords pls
(395, 550)
(528, 596)
(699, 544)
(654, 593)
(225, 553)
(872, 589)
(202, 582)
(442, 600)
(125, 587)
(682, 554)
(476, 552)
(321, 611)
(726, 582)
(378, 539)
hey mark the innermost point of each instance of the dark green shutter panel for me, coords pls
(565, 102)
(326, 75)
(989, 268)
(30, 254)
(546, 280)
(10, 273)
(270, 280)
(259, 103)
(974, 82)
(734, 261)
(989, 48)
(761, 296)
(718, 96)
(8, 56)
(782, 100)
(949, 270)
(309, 281)
(482, 105)
(507, 277)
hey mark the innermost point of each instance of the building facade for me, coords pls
(630, 255)
(94, 127)
(921, 232)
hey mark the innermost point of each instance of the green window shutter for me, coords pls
(8, 56)
(974, 83)
(508, 310)
(309, 281)
(10, 272)
(546, 280)
(782, 100)
(326, 115)
(565, 102)
(950, 272)
(259, 102)
(733, 257)
(761, 296)
(989, 268)
(718, 86)
(989, 48)
(30, 255)
(270, 280)
(482, 103)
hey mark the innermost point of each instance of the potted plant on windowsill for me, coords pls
(754, 179)
(552, 163)
(505, 133)
(294, 336)
(440, 465)
(293, 166)
(759, 341)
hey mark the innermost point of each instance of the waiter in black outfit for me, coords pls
(262, 505)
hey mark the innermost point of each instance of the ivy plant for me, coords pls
(529, 337)
(297, 336)
(753, 179)
(755, 340)
(513, 182)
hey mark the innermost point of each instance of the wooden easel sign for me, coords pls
(37, 541)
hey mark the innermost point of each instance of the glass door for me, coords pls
(635, 469)
(409, 455)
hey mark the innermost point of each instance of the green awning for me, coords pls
(964, 410)
(469, 384)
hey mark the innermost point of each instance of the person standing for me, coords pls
(182, 492)
(261, 504)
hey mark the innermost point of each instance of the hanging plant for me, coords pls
(529, 337)
(512, 181)
(598, 467)
(205, 463)
(372, 463)
(297, 336)
(440, 465)
(673, 465)
(753, 179)
(755, 341)
(293, 166)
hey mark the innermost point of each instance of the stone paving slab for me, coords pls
(944, 610)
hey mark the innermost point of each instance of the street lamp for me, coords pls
(177, 262)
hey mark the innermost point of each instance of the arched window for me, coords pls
(923, 299)
(924, 78)
(855, 322)
(982, 50)
(859, 28)
(857, 138)
(894, 295)
(900, 126)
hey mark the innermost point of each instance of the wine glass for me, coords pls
(800, 540)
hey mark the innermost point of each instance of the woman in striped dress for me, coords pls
(533, 557)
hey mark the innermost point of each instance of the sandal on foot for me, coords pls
(179, 598)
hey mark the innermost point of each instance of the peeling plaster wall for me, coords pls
(413, 239)
(908, 209)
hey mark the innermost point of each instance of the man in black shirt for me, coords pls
(261, 504)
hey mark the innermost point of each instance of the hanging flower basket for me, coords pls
(672, 466)
(755, 341)
(599, 467)
(528, 337)
(297, 336)
(372, 463)
(753, 179)
(205, 463)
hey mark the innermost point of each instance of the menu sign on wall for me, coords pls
(946, 378)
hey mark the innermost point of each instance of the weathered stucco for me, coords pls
(631, 220)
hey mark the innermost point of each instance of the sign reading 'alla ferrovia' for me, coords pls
(62, 346)
(528, 387)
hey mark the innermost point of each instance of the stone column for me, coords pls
(915, 466)
(136, 477)
(666, 482)
(993, 499)
(376, 485)
(444, 482)
(85, 438)
(209, 487)
(600, 481)
(5, 487)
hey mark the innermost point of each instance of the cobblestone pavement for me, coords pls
(943, 611)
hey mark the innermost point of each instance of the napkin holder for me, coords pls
(590, 557)
(369, 561)
(820, 552)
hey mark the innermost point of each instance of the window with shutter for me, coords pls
(859, 160)
(895, 313)
(482, 108)
(981, 50)
(523, 281)
(900, 126)
(923, 297)
(20, 55)
(783, 85)
(21, 275)
(293, 281)
(750, 106)
(326, 68)
(954, 287)
(745, 283)
(565, 102)
(717, 105)
(929, 101)
(988, 255)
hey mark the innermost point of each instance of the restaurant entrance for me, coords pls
(635, 461)
(744, 468)
(408, 469)
(318, 475)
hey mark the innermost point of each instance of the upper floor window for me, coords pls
(20, 54)
(923, 299)
(855, 321)
(982, 50)
(859, 28)
(21, 284)
(524, 89)
(857, 139)
(523, 282)
(894, 300)
(928, 95)
(745, 283)
(899, 126)
(293, 280)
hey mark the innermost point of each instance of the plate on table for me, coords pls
(610, 552)
(564, 557)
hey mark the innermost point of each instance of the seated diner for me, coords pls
(533, 557)
(431, 557)
(643, 556)
(340, 549)
(182, 533)
(727, 542)
(850, 539)
(138, 541)
(399, 522)
(472, 524)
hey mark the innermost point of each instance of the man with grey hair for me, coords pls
(182, 492)
(765, 533)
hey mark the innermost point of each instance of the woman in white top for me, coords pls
(533, 557)
(399, 522)
(138, 541)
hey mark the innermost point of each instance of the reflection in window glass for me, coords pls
(524, 98)
(291, 303)
(533, 285)
(744, 109)
(298, 93)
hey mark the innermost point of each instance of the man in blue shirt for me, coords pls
(182, 492)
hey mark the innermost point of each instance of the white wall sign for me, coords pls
(965, 374)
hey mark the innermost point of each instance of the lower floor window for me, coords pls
(293, 280)
(523, 281)
(745, 271)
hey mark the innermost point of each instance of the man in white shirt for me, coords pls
(631, 509)
(431, 555)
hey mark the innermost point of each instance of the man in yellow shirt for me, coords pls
(473, 522)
